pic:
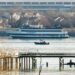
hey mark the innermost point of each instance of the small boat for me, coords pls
(42, 43)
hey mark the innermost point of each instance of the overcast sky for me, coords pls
(37, 0)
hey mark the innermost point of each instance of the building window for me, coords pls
(27, 2)
(51, 2)
(35, 2)
(59, 2)
(43, 3)
(73, 3)
(10, 2)
(2, 3)
(19, 2)
(67, 3)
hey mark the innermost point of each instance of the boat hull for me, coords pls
(34, 37)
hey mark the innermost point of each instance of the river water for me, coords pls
(65, 45)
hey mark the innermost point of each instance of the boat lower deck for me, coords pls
(25, 36)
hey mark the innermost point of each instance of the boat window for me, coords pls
(42, 30)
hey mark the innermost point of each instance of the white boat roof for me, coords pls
(37, 0)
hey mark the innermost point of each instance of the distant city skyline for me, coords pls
(38, 4)
(37, 0)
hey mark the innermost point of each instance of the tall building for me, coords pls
(38, 4)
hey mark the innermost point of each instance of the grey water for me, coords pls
(65, 45)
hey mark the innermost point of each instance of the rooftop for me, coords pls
(37, 0)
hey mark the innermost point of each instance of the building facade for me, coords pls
(38, 4)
